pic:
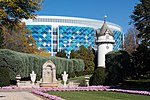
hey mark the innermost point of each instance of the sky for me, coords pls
(117, 11)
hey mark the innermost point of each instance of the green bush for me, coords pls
(4, 77)
(81, 73)
(23, 63)
(118, 66)
(71, 75)
(98, 77)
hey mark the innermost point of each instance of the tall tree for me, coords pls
(18, 39)
(141, 20)
(86, 54)
(131, 40)
(13, 34)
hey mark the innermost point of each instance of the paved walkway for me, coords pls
(18, 96)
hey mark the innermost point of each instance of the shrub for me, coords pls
(98, 77)
(4, 76)
(118, 66)
(23, 63)
(81, 73)
(71, 75)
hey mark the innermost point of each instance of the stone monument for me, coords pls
(33, 77)
(49, 75)
(65, 78)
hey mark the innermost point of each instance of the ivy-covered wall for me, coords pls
(23, 63)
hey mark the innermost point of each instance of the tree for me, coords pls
(73, 54)
(13, 34)
(62, 54)
(141, 58)
(18, 39)
(118, 66)
(131, 40)
(86, 54)
(15, 10)
(141, 20)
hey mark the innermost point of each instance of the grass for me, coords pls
(143, 85)
(79, 78)
(98, 95)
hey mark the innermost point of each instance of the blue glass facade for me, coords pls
(118, 40)
(42, 35)
(54, 39)
(71, 37)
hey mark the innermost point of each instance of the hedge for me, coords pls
(4, 76)
(23, 63)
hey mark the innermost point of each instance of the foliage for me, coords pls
(141, 59)
(42, 53)
(98, 77)
(23, 64)
(118, 66)
(18, 9)
(18, 39)
(4, 76)
(73, 54)
(62, 54)
(13, 34)
(131, 41)
(141, 20)
(71, 75)
(86, 54)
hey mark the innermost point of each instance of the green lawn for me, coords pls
(98, 95)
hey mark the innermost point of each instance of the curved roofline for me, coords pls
(82, 19)
(79, 18)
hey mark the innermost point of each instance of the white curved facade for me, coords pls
(55, 33)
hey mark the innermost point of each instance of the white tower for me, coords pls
(104, 43)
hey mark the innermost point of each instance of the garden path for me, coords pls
(18, 96)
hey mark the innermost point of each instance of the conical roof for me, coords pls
(103, 30)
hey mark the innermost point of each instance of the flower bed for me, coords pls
(41, 90)
(15, 88)
(74, 88)
(52, 97)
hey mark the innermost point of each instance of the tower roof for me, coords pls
(104, 30)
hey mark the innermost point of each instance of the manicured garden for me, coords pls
(98, 95)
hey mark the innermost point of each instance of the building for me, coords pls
(104, 42)
(56, 33)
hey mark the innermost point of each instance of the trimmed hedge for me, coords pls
(23, 63)
(4, 77)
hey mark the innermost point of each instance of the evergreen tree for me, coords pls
(141, 20)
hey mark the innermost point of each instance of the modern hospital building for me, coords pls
(56, 33)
